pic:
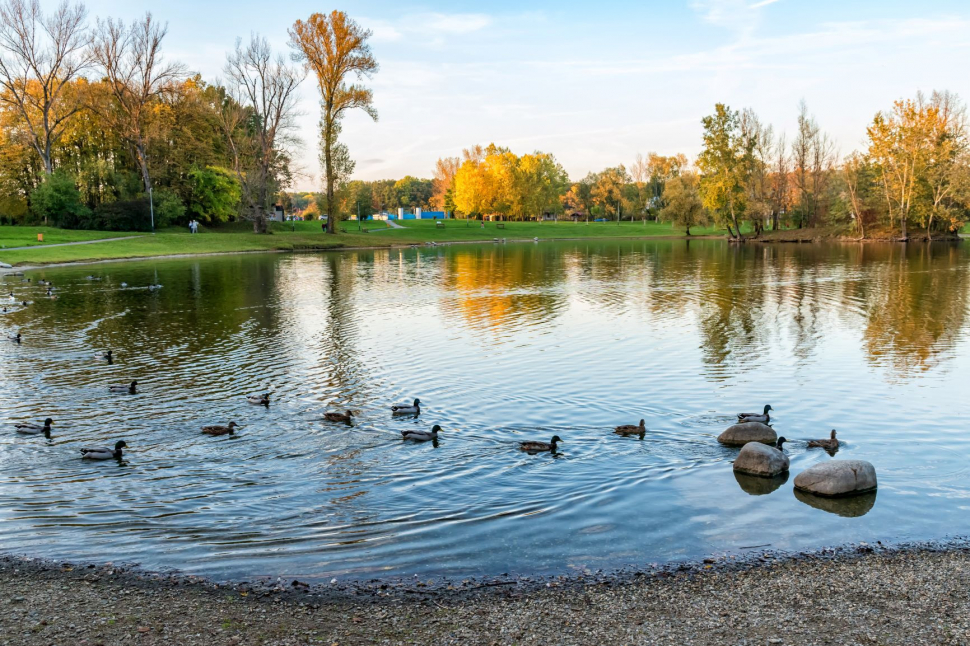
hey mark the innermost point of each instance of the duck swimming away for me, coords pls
(629, 429)
(102, 453)
(29, 428)
(404, 409)
(541, 447)
(830, 444)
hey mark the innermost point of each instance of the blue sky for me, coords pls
(595, 83)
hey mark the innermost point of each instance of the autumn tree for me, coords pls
(608, 191)
(41, 57)
(813, 155)
(442, 184)
(131, 59)
(684, 204)
(258, 122)
(335, 48)
(723, 164)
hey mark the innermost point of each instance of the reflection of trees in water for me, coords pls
(917, 307)
(338, 362)
(505, 286)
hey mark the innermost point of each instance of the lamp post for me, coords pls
(151, 208)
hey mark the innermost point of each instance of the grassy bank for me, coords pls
(301, 236)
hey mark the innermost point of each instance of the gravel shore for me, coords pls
(859, 595)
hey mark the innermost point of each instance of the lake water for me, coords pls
(502, 343)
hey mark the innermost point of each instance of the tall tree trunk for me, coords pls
(328, 158)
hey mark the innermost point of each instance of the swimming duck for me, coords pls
(764, 418)
(629, 429)
(405, 409)
(24, 303)
(152, 288)
(92, 278)
(131, 389)
(29, 428)
(830, 444)
(540, 447)
(215, 429)
(11, 297)
(261, 400)
(338, 417)
(421, 436)
(102, 453)
(124, 284)
(15, 337)
(779, 443)
(104, 356)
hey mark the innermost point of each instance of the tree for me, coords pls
(723, 164)
(41, 57)
(258, 123)
(335, 48)
(215, 194)
(661, 170)
(57, 200)
(131, 59)
(608, 191)
(858, 176)
(442, 197)
(812, 156)
(684, 205)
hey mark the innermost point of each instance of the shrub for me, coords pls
(58, 201)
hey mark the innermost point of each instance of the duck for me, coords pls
(260, 400)
(152, 288)
(630, 429)
(405, 409)
(763, 418)
(104, 356)
(29, 428)
(216, 429)
(421, 436)
(780, 443)
(338, 417)
(541, 447)
(131, 389)
(103, 453)
(830, 444)
(44, 282)
(11, 297)
(92, 278)
(24, 303)
(123, 285)
(14, 337)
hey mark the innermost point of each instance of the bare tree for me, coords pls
(131, 59)
(260, 123)
(813, 155)
(780, 186)
(40, 58)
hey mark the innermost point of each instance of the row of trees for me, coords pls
(98, 130)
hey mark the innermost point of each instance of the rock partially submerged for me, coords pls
(741, 434)
(758, 459)
(837, 478)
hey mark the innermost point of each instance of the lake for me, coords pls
(502, 343)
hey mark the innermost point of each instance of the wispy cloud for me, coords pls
(428, 26)
(456, 23)
(739, 16)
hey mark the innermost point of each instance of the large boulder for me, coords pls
(837, 478)
(758, 459)
(741, 434)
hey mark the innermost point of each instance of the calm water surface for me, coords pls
(501, 343)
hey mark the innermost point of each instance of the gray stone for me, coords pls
(741, 434)
(837, 478)
(758, 459)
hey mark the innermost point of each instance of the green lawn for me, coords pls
(27, 236)
(302, 236)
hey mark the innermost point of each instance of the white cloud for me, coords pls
(456, 23)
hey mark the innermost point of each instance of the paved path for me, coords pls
(69, 244)
(394, 225)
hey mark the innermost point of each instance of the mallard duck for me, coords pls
(102, 453)
(405, 409)
(539, 447)
(92, 278)
(11, 297)
(152, 288)
(830, 444)
(422, 436)
(124, 284)
(104, 356)
(131, 389)
(215, 429)
(338, 417)
(764, 418)
(629, 429)
(779, 443)
(14, 337)
(260, 400)
(29, 428)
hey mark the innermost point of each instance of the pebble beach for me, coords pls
(854, 595)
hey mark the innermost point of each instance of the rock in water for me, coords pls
(758, 459)
(837, 478)
(741, 434)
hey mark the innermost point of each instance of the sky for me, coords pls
(594, 83)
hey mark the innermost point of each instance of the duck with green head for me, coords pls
(422, 436)
(103, 453)
(762, 418)
(29, 428)
(405, 409)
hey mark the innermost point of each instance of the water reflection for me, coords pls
(502, 343)
(849, 507)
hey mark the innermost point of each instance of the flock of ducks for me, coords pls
(831, 445)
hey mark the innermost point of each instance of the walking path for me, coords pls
(69, 244)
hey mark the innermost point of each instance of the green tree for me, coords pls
(723, 164)
(684, 204)
(56, 200)
(215, 194)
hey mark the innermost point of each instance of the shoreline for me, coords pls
(339, 247)
(858, 593)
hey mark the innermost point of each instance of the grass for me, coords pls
(288, 236)
(27, 236)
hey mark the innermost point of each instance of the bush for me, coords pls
(129, 215)
(215, 194)
(168, 208)
(58, 201)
